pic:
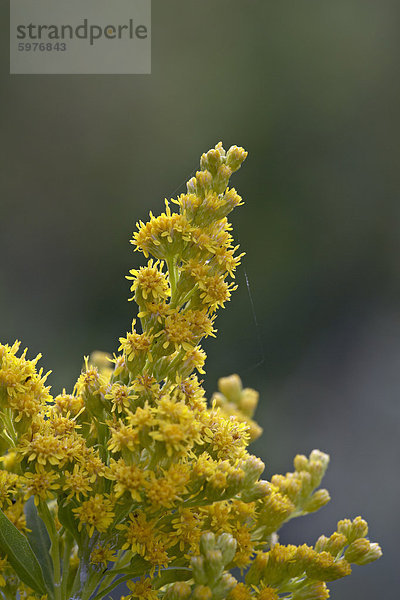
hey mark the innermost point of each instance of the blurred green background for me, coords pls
(311, 89)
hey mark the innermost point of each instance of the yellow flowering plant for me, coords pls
(132, 477)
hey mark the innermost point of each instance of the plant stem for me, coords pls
(69, 542)
(48, 520)
(113, 585)
(172, 275)
(76, 582)
(122, 561)
(133, 572)
(91, 585)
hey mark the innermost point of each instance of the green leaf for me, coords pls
(39, 541)
(138, 566)
(171, 575)
(20, 555)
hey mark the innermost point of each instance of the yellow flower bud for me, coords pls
(300, 462)
(231, 388)
(358, 528)
(321, 543)
(336, 543)
(248, 401)
(212, 159)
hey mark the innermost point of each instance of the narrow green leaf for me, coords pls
(171, 575)
(39, 541)
(138, 567)
(20, 555)
(66, 518)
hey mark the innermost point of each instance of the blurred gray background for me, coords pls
(311, 89)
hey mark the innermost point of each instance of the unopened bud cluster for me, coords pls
(132, 476)
(237, 402)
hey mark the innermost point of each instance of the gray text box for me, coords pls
(80, 36)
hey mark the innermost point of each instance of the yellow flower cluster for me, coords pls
(132, 476)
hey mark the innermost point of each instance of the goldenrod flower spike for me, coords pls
(133, 476)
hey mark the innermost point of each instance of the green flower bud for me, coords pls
(253, 467)
(248, 401)
(318, 464)
(191, 186)
(317, 501)
(258, 491)
(314, 591)
(316, 471)
(227, 544)
(224, 586)
(199, 574)
(374, 553)
(317, 455)
(178, 591)
(359, 528)
(213, 565)
(204, 183)
(235, 157)
(357, 550)
(207, 542)
(235, 482)
(336, 543)
(202, 592)
(345, 527)
(221, 179)
(300, 462)
(321, 543)
(353, 530)
(362, 552)
(325, 568)
(212, 159)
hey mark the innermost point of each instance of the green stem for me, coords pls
(102, 437)
(69, 543)
(135, 572)
(7, 594)
(76, 582)
(48, 520)
(122, 562)
(91, 584)
(103, 593)
(187, 298)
